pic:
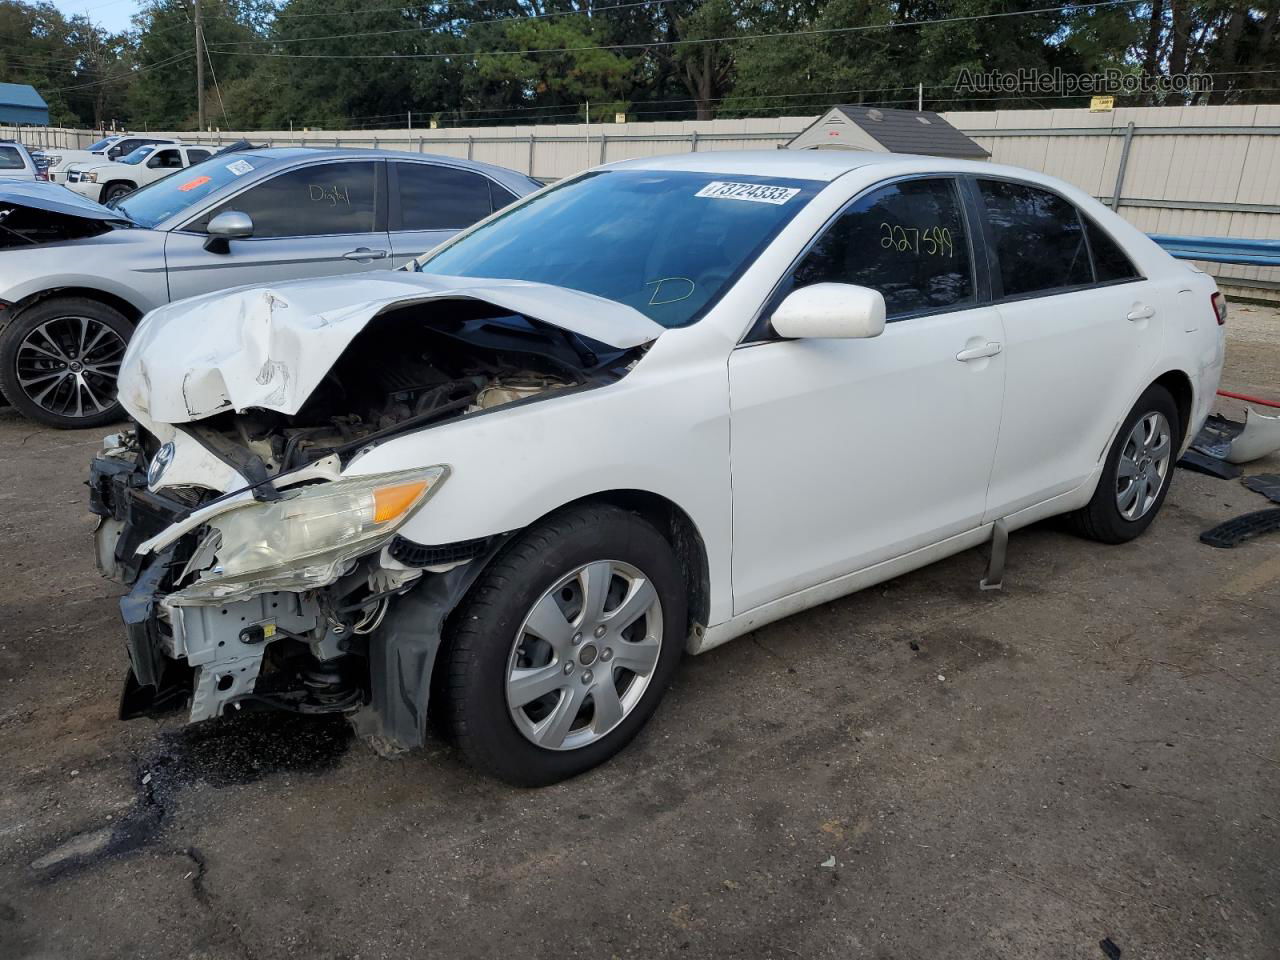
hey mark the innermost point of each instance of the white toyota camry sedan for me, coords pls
(640, 412)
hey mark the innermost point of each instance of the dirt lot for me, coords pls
(921, 770)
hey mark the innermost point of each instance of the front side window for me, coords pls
(165, 159)
(907, 240)
(441, 198)
(319, 200)
(1038, 237)
(665, 242)
(11, 159)
(124, 147)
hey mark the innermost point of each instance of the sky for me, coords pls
(114, 15)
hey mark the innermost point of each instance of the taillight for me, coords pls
(1219, 307)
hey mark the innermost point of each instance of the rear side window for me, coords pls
(195, 156)
(327, 198)
(11, 159)
(1039, 239)
(441, 198)
(907, 240)
(1109, 262)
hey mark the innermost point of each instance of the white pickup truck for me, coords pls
(106, 180)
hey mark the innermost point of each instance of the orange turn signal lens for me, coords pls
(391, 502)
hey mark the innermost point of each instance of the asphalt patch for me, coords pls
(226, 752)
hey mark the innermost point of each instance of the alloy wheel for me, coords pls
(1144, 463)
(584, 655)
(69, 365)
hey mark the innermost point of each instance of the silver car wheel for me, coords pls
(1144, 464)
(69, 365)
(584, 655)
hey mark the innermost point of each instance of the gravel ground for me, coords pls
(920, 770)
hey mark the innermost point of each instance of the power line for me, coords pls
(124, 76)
(648, 45)
(465, 23)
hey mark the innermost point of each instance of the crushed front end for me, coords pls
(207, 630)
(265, 567)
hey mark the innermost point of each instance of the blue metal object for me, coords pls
(1256, 253)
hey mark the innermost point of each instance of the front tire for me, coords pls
(116, 191)
(562, 650)
(1137, 472)
(59, 361)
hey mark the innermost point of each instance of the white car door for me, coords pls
(849, 452)
(1081, 334)
(312, 221)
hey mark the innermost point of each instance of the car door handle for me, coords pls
(988, 349)
(364, 253)
(1141, 311)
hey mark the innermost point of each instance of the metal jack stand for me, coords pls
(994, 580)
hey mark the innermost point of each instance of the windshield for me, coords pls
(667, 243)
(162, 199)
(137, 156)
(101, 144)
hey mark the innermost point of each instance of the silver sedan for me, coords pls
(77, 276)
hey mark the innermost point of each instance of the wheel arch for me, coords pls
(116, 302)
(1180, 387)
(120, 181)
(679, 530)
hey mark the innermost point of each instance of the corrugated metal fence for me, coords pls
(1204, 171)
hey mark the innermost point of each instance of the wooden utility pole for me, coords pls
(199, 69)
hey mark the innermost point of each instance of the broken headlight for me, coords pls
(306, 539)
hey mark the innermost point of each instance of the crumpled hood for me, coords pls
(270, 347)
(55, 198)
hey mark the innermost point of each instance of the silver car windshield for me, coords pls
(161, 200)
(668, 243)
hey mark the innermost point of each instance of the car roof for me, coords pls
(821, 165)
(287, 154)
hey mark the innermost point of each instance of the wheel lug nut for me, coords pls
(607, 655)
(586, 677)
(568, 668)
(577, 639)
(600, 631)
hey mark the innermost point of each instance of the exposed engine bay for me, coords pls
(288, 586)
(22, 226)
(400, 374)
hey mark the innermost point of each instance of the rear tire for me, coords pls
(588, 704)
(1133, 469)
(59, 360)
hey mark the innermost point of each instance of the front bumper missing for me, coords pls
(209, 656)
(281, 649)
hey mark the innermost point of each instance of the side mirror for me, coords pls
(830, 310)
(225, 227)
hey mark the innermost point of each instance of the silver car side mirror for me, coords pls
(225, 227)
(830, 310)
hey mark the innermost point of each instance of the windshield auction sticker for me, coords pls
(240, 167)
(754, 192)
